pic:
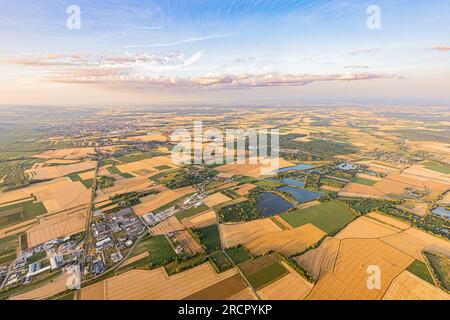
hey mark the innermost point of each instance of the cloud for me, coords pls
(363, 51)
(225, 81)
(170, 44)
(174, 61)
(441, 48)
(356, 66)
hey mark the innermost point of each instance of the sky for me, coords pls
(224, 52)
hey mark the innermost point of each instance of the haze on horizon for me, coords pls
(224, 52)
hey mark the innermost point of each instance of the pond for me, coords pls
(293, 182)
(442, 212)
(298, 167)
(301, 195)
(346, 166)
(270, 204)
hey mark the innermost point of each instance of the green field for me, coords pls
(364, 181)
(18, 212)
(268, 184)
(8, 247)
(88, 183)
(220, 261)
(442, 168)
(159, 248)
(36, 257)
(238, 254)
(209, 237)
(441, 266)
(231, 193)
(163, 167)
(114, 170)
(267, 275)
(329, 216)
(420, 269)
(191, 212)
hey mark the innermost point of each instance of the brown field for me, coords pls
(250, 170)
(57, 194)
(365, 228)
(135, 284)
(188, 243)
(407, 286)
(17, 228)
(415, 207)
(356, 189)
(146, 164)
(388, 220)
(126, 185)
(348, 280)
(286, 242)
(56, 286)
(69, 153)
(44, 173)
(244, 294)
(368, 176)
(321, 259)
(200, 220)
(234, 234)
(135, 258)
(220, 291)
(216, 199)
(154, 202)
(148, 137)
(169, 225)
(245, 189)
(55, 226)
(280, 221)
(290, 287)
(329, 188)
(413, 241)
(87, 175)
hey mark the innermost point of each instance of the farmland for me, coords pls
(329, 216)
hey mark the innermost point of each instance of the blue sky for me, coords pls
(224, 51)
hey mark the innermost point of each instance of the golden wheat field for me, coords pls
(216, 199)
(290, 287)
(169, 225)
(200, 220)
(287, 242)
(240, 233)
(55, 226)
(321, 259)
(56, 286)
(366, 228)
(413, 241)
(407, 286)
(135, 284)
(348, 280)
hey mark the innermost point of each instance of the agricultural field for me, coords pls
(263, 271)
(329, 216)
(364, 195)
(238, 254)
(209, 237)
(134, 284)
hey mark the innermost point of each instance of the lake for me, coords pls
(293, 182)
(298, 167)
(301, 195)
(442, 212)
(270, 204)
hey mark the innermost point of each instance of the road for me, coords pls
(86, 238)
